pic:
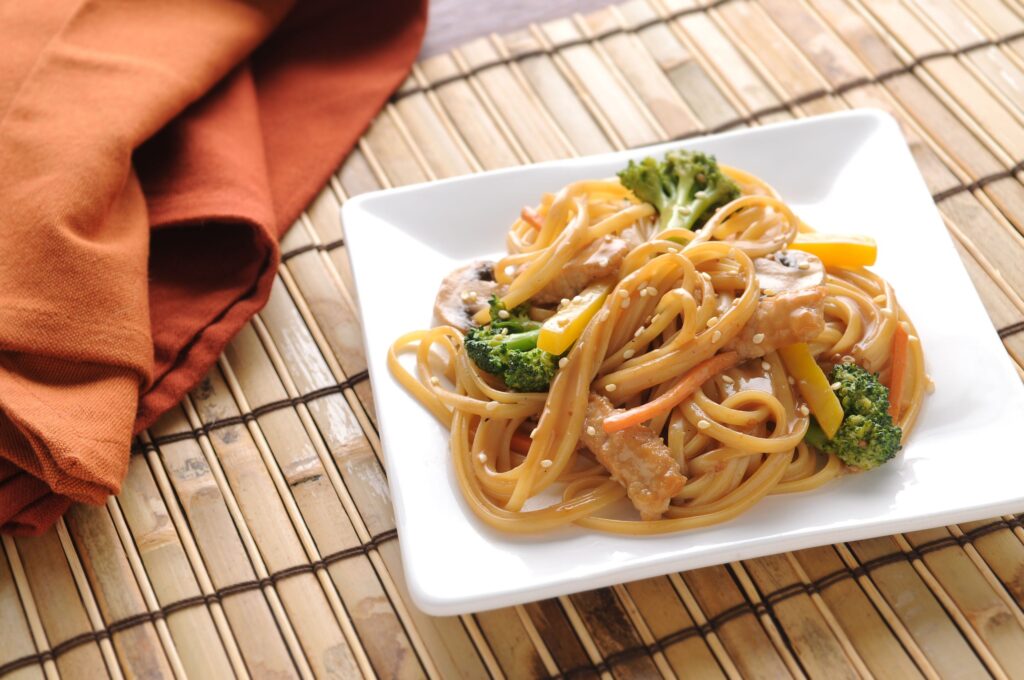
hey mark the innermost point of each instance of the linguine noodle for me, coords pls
(679, 298)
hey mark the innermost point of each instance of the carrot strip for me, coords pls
(521, 443)
(898, 370)
(530, 215)
(686, 386)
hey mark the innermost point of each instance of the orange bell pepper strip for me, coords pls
(848, 252)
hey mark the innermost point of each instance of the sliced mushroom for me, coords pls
(789, 270)
(464, 292)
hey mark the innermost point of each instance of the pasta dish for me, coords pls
(661, 350)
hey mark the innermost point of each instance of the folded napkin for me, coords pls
(151, 155)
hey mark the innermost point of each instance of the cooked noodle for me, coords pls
(680, 297)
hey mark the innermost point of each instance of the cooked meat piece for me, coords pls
(789, 270)
(637, 458)
(599, 259)
(465, 292)
(780, 320)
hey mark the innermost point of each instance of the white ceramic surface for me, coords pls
(849, 173)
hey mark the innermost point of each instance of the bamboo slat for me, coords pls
(16, 641)
(254, 536)
(50, 590)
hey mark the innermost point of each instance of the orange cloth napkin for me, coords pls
(151, 154)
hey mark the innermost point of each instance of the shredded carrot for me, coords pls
(521, 443)
(530, 215)
(898, 370)
(686, 386)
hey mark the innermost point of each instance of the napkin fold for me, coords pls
(151, 156)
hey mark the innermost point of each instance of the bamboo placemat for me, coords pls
(255, 536)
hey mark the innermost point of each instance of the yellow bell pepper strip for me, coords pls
(814, 387)
(563, 328)
(834, 250)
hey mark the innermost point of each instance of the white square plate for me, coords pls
(848, 173)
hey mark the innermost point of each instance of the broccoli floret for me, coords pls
(530, 371)
(867, 436)
(686, 188)
(507, 347)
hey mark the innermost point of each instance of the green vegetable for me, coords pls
(686, 188)
(507, 347)
(867, 436)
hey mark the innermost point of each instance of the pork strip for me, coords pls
(783, 319)
(600, 259)
(637, 459)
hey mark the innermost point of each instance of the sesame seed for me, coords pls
(643, 284)
(727, 379)
(625, 304)
(766, 366)
(712, 321)
(716, 336)
(623, 293)
(703, 424)
(564, 302)
(639, 332)
(758, 338)
(705, 276)
(472, 297)
(503, 314)
(804, 411)
(651, 290)
(603, 262)
(791, 380)
(492, 405)
(464, 295)
(577, 298)
(603, 316)
(434, 380)
(610, 387)
(673, 250)
(835, 386)
(628, 354)
(546, 463)
(482, 457)
(563, 362)
(804, 266)
(929, 384)
(591, 431)
(643, 292)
